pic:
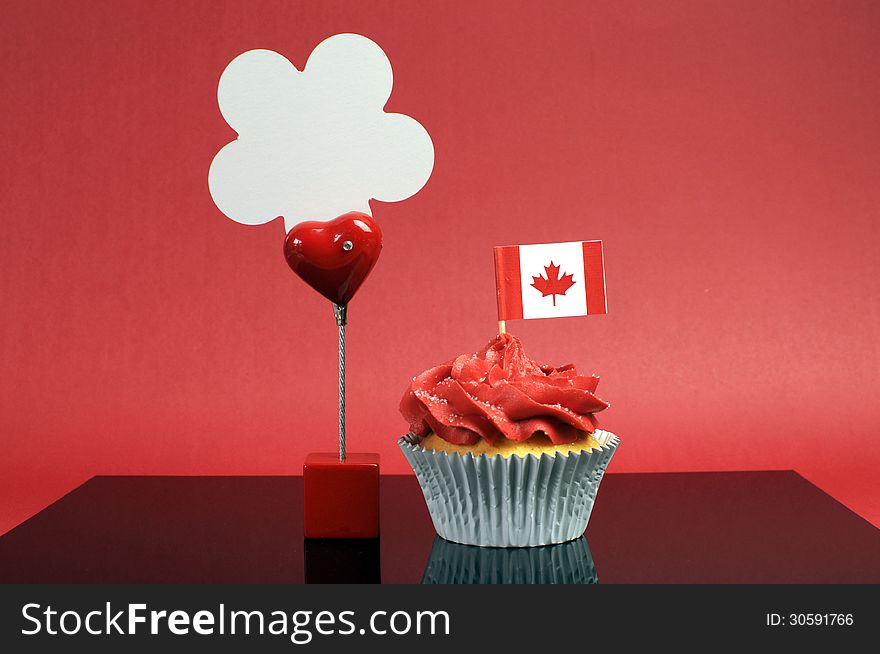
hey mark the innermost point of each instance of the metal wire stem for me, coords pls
(341, 319)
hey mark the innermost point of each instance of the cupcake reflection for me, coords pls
(567, 563)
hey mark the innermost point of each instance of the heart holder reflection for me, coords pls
(340, 491)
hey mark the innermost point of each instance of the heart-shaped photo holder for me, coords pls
(307, 144)
(340, 492)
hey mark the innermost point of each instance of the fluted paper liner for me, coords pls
(566, 563)
(515, 501)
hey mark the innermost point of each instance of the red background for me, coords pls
(726, 152)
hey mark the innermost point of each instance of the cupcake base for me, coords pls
(495, 501)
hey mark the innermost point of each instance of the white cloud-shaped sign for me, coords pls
(315, 144)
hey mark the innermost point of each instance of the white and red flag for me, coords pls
(550, 280)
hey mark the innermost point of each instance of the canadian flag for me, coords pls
(550, 280)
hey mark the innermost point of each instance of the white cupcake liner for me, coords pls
(496, 501)
(566, 563)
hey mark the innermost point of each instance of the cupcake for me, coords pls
(507, 452)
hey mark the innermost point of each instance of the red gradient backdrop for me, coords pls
(727, 153)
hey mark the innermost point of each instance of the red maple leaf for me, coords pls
(553, 284)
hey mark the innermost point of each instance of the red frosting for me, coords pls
(500, 393)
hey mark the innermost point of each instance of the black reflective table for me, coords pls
(731, 527)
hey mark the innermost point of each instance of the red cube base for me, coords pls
(341, 499)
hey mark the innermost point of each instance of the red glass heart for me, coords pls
(334, 257)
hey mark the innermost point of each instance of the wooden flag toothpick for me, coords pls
(549, 280)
